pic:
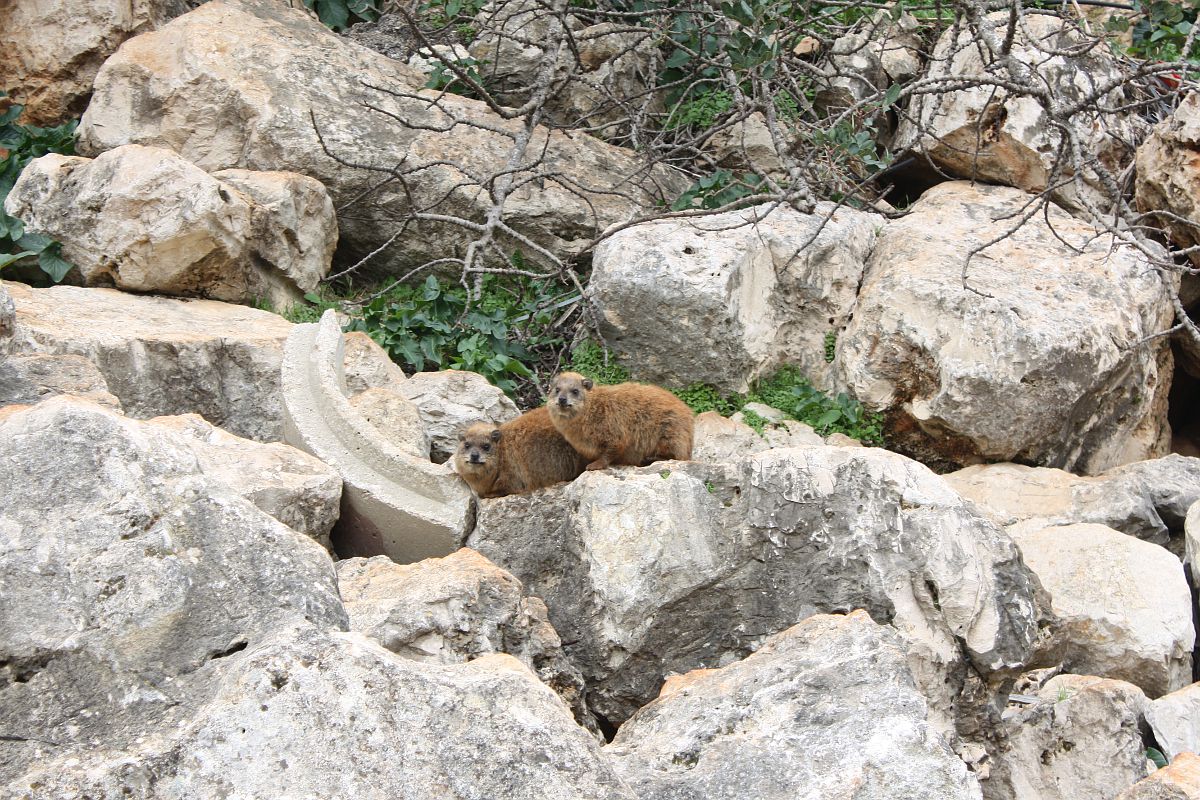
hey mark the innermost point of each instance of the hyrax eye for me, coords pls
(487, 447)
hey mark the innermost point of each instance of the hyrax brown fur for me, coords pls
(519, 456)
(630, 423)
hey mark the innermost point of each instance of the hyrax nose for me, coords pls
(475, 459)
(562, 401)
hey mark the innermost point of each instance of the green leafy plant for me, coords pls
(588, 359)
(756, 421)
(790, 392)
(25, 143)
(718, 189)
(701, 397)
(341, 14)
(1155, 755)
(830, 346)
(443, 77)
(701, 111)
(1159, 28)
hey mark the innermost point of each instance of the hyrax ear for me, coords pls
(587, 383)
(496, 435)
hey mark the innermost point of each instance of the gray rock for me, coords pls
(128, 575)
(314, 714)
(1179, 780)
(1192, 541)
(252, 112)
(27, 380)
(1175, 720)
(450, 400)
(1033, 362)
(1167, 175)
(1122, 605)
(161, 356)
(8, 313)
(396, 419)
(686, 565)
(455, 609)
(146, 220)
(783, 724)
(728, 298)
(1081, 739)
(367, 365)
(289, 484)
(1146, 499)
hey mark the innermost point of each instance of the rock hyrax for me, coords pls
(630, 423)
(519, 456)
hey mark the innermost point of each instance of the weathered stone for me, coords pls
(127, 576)
(456, 609)
(161, 356)
(1147, 499)
(450, 400)
(782, 724)
(1192, 541)
(1032, 360)
(725, 299)
(367, 365)
(983, 132)
(656, 571)
(1179, 780)
(749, 142)
(393, 503)
(862, 63)
(1123, 605)
(315, 714)
(1082, 739)
(27, 380)
(51, 50)
(720, 438)
(146, 220)
(1175, 720)
(289, 484)
(8, 313)
(1168, 176)
(396, 419)
(251, 111)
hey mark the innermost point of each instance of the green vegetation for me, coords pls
(830, 346)
(1160, 28)
(759, 423)
(1155, 755)
(787, 390)
(341, 14)
(25, 143)
(718, 189)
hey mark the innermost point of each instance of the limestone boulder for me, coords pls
(883, 50)
(720, 438)
(161, 356)
(1123, 605)
(29, 379)
(314, 713)
(1080, 738)
(456, 609)
(686, 565)
(242, 83)
(50, 51)
(1175, 720)
(394, 503)
(145, 220)
(728, 298)
(1028, 357)
(8, 313)
(984, 132)
(1146, 499)
(1179, 780)
(396, 419)
(782, 724)
(368, 366)
(1192, 540)
(128, 575)
(1168, 177)
(450, 400)
(289, 484)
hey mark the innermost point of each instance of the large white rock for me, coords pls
(50, 50)
(128, 575)
(1175, 720)
(146, 220)
(1168, 178)
(161, 356)
(455, 609)
(1081, 739)
(1033, 362)
(984, 132)
(1179, 780)
(29, 379)
(825, 709)
(239, 83)
(728, 298)
(450, 400)
(314, 714)
(289, 484)
(1123, 605)
(1146, 499)
(1192, 540)
(686, 565)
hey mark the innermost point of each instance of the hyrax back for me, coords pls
(519, 456)
(630, 423)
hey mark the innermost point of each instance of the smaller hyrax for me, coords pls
(630, 423)
(519, 456)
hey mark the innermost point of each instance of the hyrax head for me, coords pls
(477, 444)
(568, 393)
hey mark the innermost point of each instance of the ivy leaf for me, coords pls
(678, 58)
(892, 95)
(8, 258)
(54, 264)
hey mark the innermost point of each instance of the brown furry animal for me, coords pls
(519, 456)
(630, 423)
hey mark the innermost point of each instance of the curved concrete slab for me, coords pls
(393, 503)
